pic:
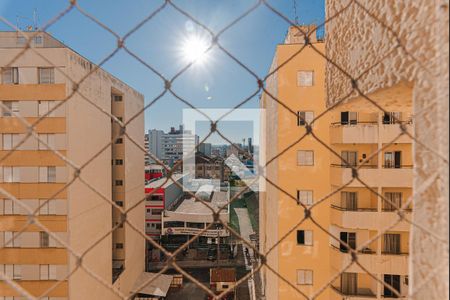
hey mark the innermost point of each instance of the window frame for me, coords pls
(299, 197)
(305, 277)
(310, 82)
(51, 79)
(299, 163)
(14, 75)
(308, 237)
(304, 121)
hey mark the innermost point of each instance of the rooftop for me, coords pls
(192, 206)
(223, 275)
(160, 181)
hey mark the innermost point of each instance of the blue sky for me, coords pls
(218, 83)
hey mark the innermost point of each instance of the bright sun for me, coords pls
(194, 49)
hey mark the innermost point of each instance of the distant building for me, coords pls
(190, 217)
(205, 148)
(221, 279)
(210, 167)
(168, 147)
(161, 194)
(155, 143)
(147, 149)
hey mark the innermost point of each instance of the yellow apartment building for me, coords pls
(303, 171)
(31, 86)
(307, 257)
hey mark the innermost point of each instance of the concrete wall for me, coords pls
(420, 68)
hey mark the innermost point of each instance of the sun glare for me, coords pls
(194, 49)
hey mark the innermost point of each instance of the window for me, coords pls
(21, 40)
(47, 272)
(47, 138)
(38, 40)
(349, 118)
(349, 201)
(12, 108)
(305, 277)
(10, 75)
(305, 197)
(348, 238)
(119, 182)
(119, 141)
(157, 212)
(391, 243)
(394, 282)
(119, 203)
(17, 272)
(393, 160)
(305, 158)
(8, 207)
(10, 141)
(305, 78)
(304, 118)
(47, 207)
(391, 118)
(47, 174)
(395, 201)
(44, 239)
(158, 226)
(349, 159)
(119, 162)
(349, 283)
(305, 237)
(119, 246)
(45, 106)
(116, 98)
(11, 174)
(11, 239)
(46, 75)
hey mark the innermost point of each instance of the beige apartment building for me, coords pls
(307, 257)
(31, 85)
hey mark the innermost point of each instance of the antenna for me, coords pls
(295, 11)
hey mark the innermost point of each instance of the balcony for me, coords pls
(373, 176)
(361, 294)
(361, 133)
(368, 133)
(386, 263)
(367, 218)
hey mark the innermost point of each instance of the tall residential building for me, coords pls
(303, 257)
(308, 257)
(155, 145)
(205, 148)
(147, 149)
(168, 147)
(31, 86)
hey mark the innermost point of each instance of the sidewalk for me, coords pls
(246, 229)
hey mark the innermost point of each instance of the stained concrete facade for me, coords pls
(79, 130)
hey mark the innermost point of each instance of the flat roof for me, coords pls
(223, 275)
(158, 287)
(160, 181)
(192, 206)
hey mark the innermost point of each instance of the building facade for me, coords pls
(303, 257)
(168, 147)
(308, 257)
(35, 87)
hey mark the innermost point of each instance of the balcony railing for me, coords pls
(360, 292)
(360, 209)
